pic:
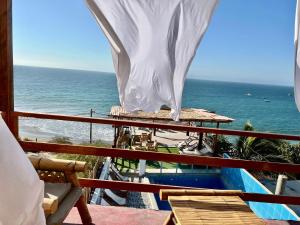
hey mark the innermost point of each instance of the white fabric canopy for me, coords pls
(153, 43)
(297, 57)
(21, 191)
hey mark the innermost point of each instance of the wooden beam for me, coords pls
(6, 62)
(155, 188)
(163, 126)
(165, 193)
(130, 186)
(165, 157)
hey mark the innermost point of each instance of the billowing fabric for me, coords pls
(153, 43)
(21, 191)
(297, 57)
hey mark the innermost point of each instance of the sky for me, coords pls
(248, 41)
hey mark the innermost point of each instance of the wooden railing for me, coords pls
(157, 125)
(166, 157)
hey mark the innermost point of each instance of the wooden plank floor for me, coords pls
(191, 210)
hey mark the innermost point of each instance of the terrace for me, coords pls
(112, 215)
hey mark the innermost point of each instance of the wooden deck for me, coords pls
(109, 215)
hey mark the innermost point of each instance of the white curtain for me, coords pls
(297, 57)
(153, 43)
(21, 191)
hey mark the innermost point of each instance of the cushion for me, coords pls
(57, 191)
(65, 207)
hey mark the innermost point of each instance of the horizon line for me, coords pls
(188, 78)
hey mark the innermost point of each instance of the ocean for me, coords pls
(75, 92)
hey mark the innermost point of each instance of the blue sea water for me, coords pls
(75, 92)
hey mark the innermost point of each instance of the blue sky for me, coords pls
(247, 41)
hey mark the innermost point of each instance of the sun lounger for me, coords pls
(193, 145)
(104, 202)
(194, 152)
(116, 198)
(186, 142)
(206, 151)
(107, 200)
(121, 193)
(116, 175)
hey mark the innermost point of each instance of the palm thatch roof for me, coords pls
(187, 114)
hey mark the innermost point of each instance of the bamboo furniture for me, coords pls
(207, 207)
(123, 140)
(152, 146)
(62, 189)
(143, 142)
(145, 137)
(136, 140)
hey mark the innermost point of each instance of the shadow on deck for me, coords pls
(110, 215)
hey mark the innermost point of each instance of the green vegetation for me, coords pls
(254, 148)
(125, 165)
(90, 159)
(223, 145)
(27, 139)
(133, 165)
(292, 153)
(261, 149)
(60, 140)
(97, 143)
(250, 148)
(167, 149)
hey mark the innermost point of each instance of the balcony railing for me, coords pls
(165, 157)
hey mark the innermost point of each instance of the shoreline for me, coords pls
(31, 133)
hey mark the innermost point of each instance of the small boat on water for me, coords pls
(248, 94)
(266, 100)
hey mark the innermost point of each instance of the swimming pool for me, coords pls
(213, 181)
(227, 178)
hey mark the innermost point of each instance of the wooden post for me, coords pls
(115, 137)
(215, 144)
(281, 183)
(91, 126)
(200, 142)
(6, 64)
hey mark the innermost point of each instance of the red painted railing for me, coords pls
(166, 157)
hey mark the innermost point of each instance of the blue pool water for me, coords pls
(213, 181)
(228, 178)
